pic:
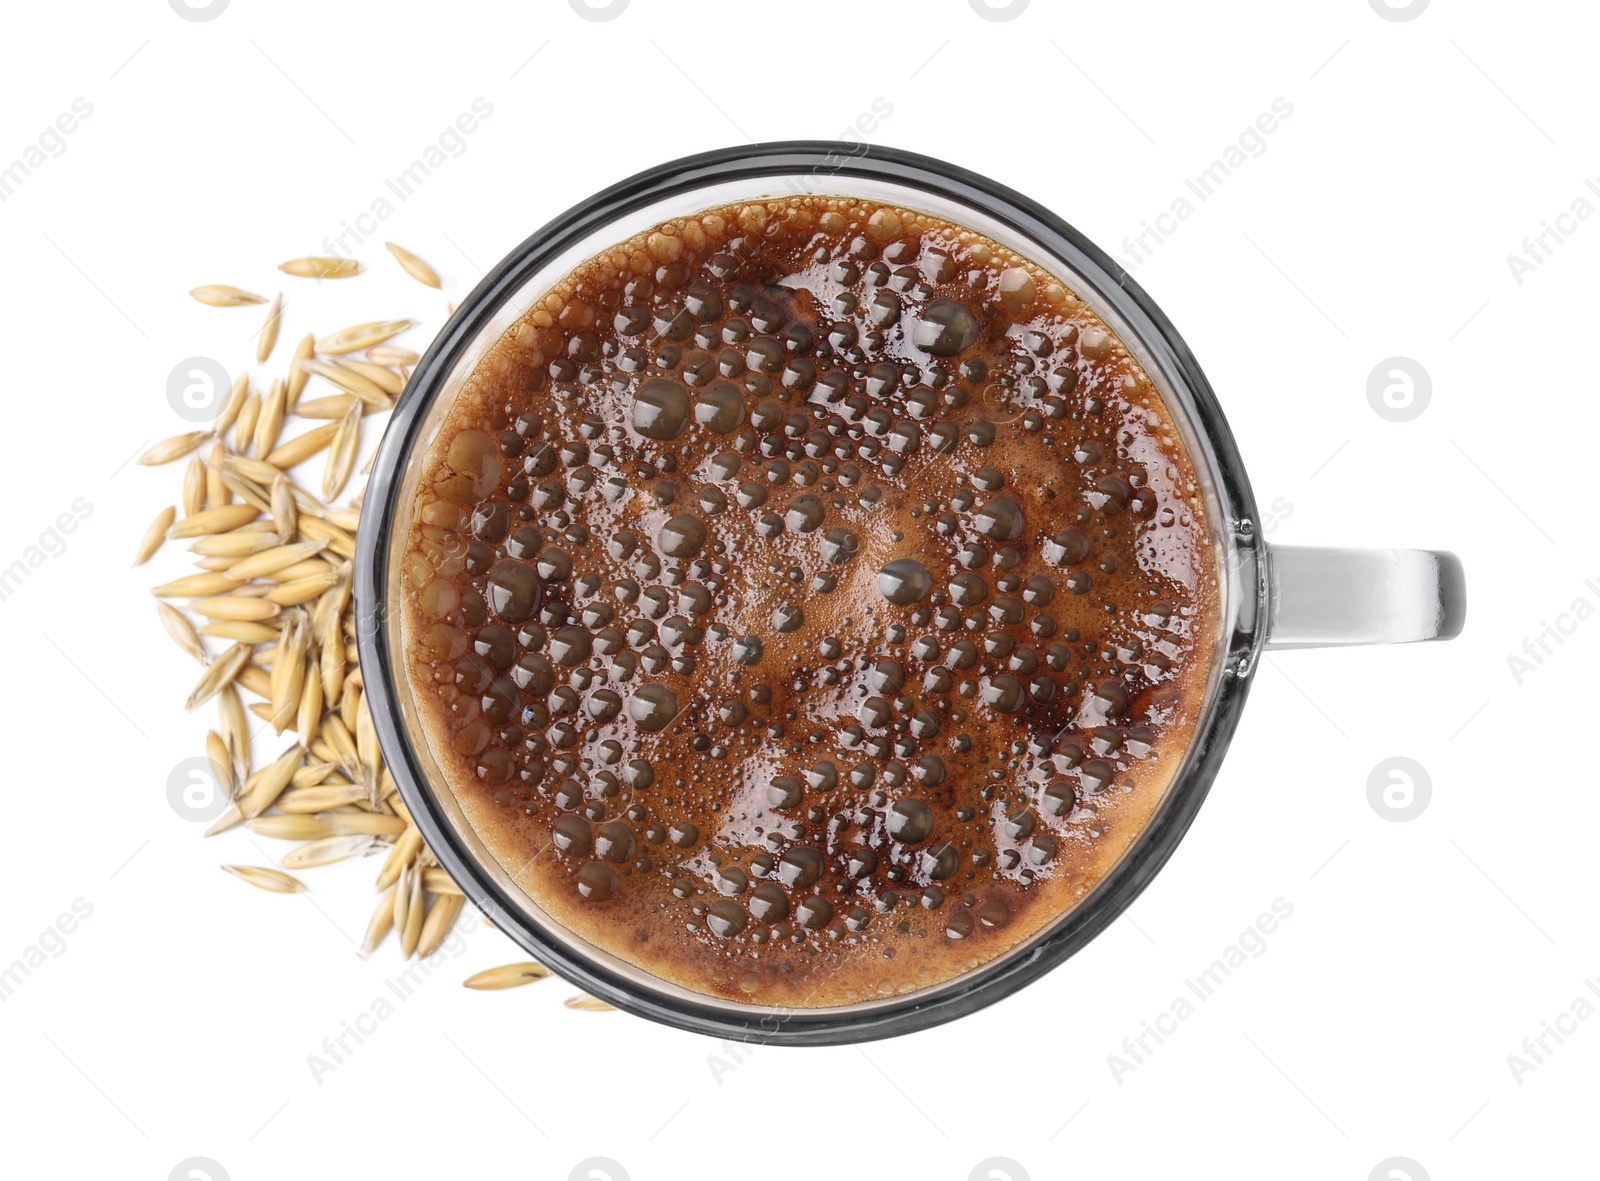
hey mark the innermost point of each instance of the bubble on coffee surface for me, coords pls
(821, 588)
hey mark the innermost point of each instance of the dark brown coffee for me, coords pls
(809, 601)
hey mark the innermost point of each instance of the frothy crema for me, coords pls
(808, 601)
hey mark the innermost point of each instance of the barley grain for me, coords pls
(235, 730)
(297, 376)
(221, 763)
(437, 881)
(320, 267)
(374, 824)
(285, 511)
(342, 453)
(270, 561)
(257, 471)
(321, 797)
(414, 266)
(507, 976)
(381, 923)
(327, 850)
(237, 607)
(360, 336)
(302, 447)
(269, 423)
(220, 295)
(194, 485)
(286, 827)
(263, 788)
(333, 407)
(244, 426)
(382, 376)
(311, 775)
(214, 520)
(308, 718)
(176, 447)
(249, 491)
(588, 1004)
(154, 535)
(210, 582)
(217, 491)
(230, 408)
(404, 851)
(220, 672)
(349, 381)
(388, 354)
(269, 330)
(302, 590)
(240, 630)
(254, 678)
(411, 932)
(338, 540)
(441, 920)
(231, 816)
(262, 878)
(177, 625)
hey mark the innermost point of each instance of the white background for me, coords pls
(178, 1020)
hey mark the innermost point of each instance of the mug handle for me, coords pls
(1324, 597)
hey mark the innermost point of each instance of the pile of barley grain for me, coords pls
(272, 590)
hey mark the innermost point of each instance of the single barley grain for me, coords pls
(194, 485)
(360, 336)
(441, 920)
(321, 797)
(381, 923)
(214, 520)
(269, 330)
(263, 788)
(270, 561)
(414, 266)
(327, 850)
(311, 775)
(342, 453)
(269, 423)
(230, 408)
(507, 976)
(210, 582)
(241, 543)
(220, 295)
(320, 267)
(221, 763)
(217, 491)
(373, 824)
(241, 630)
(263, 878)
(411, 932)
(235, 607)
(287, 827)
(154, 535)
(302, 447)
(388, 354)
(178, 626)
(297, 376)
(244, 426)
(221, 672)
(174, 448)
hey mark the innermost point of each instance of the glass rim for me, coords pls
(826, 167)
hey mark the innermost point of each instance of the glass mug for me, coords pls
(1272, 596)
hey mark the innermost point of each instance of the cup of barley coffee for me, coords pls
(809, 589)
